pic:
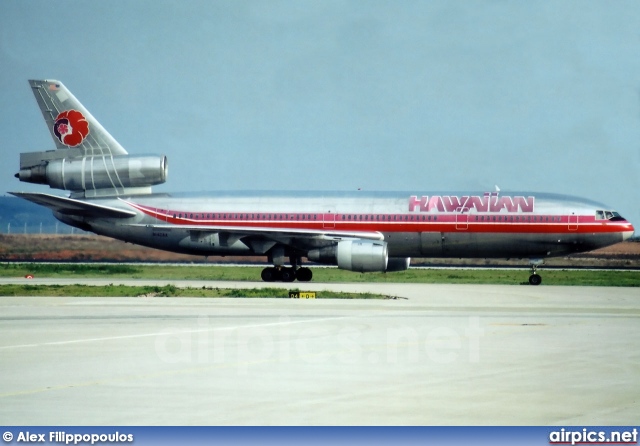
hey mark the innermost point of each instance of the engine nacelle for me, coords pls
(354, 255)
(398, 264)
(98, 172)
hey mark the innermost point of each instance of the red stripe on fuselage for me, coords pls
(485, 223)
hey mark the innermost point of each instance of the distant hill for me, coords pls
(18, 216)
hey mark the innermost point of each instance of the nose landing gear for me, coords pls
(534, 278)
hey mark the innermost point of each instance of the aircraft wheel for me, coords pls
(304, 274)
(535, 279)
(269, 275)
(287, 275)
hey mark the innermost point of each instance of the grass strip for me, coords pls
(330, 275)
(165, 291)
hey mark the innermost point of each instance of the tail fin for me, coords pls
(88, 161)
(70, 124)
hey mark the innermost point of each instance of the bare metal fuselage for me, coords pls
(558, 225)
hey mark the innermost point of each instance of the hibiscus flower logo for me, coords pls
(71, 128)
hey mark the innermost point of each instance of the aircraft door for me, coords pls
(329, 219)
(462, 218)
(573, 222)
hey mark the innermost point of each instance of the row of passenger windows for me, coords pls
(516, 218)
(248, 216)
(360, 217)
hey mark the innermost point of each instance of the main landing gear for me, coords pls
(281, 273)
(286, 274)
(534, 278)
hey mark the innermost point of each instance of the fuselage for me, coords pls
(430, 224)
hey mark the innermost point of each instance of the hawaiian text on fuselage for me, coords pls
(486, 203)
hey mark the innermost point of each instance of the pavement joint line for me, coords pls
(145, 335)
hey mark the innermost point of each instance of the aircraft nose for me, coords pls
(628, 233)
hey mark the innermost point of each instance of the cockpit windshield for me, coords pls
(608, 215)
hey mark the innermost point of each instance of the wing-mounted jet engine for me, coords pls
(87, 161)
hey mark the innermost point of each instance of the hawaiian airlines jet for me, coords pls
(110, 194)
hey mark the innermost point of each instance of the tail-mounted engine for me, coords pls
(93, 175)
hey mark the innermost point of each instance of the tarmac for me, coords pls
(433, 355)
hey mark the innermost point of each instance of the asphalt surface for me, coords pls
(438, 355)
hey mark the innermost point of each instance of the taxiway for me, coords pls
(441, 354)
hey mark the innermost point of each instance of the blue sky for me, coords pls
(341, 95)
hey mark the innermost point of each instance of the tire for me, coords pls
(304, 274)
(287, 275)
(269, 275)
(535, 279)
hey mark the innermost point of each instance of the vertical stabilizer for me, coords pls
(70, 124)
(88, 161)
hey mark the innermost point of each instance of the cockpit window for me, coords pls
(608, 215)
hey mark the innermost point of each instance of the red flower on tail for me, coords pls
(71, 128)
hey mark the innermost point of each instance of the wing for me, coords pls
(261, 239)
(69, 206)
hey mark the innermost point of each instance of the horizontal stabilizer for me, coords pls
(69, 206)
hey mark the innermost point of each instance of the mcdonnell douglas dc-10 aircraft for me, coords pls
(110, 194)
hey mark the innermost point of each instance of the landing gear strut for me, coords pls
(534, 278)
